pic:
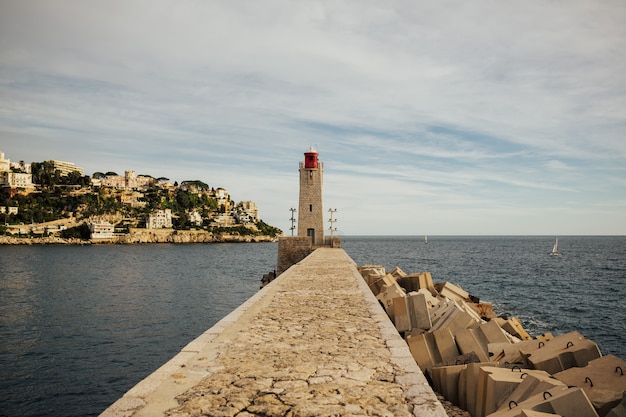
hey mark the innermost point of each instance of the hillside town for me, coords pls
(55, 199)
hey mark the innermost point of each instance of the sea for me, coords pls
(81, 325)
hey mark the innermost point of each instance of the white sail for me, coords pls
(555, 248)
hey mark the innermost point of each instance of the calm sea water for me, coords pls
(80, 325)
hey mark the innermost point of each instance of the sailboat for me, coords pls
(425, 240)
(555, 248)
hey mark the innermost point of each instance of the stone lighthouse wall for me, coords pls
(311, 215)
(291, 250)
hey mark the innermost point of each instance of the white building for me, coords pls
(5, 164)
(195, 218)
(101, 230)
(250, 209)
(16, 181)
(65, 168)
(223, 219)
(160, 219)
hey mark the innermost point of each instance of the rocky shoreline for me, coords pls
(137, 236)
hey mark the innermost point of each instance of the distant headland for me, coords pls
(53, 202)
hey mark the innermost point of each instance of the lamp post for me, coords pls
(332, 221)
(293, 220)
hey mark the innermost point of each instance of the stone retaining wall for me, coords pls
(141, 236)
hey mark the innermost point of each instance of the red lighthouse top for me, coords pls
(310, 158)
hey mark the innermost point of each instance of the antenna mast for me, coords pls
(332, 221)
(293, 220)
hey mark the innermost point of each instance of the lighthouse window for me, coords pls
(310, 207)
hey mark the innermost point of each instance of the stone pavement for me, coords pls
(314, 342)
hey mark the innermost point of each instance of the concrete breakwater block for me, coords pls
(446, 381)
(386, 295)
(373, 276)
(514, 326)
(508, 353)
(468, 386)
(419, 305)
(561, 353)
(433, 348)
(453, 318)
(411, 312)
(453, 292)
(561, 401)
(619, 410)
(496, 384)
(487, 365)
(530, 386)
(478, 339)
(603, 381)
(397, 273)
(483, 387)
(417, 281)
(401, 317)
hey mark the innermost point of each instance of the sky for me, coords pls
(430, 117)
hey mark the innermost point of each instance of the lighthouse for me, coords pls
(310, 213)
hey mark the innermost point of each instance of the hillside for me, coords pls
(127, 202)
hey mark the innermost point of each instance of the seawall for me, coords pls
(315, 341)
(137, 235)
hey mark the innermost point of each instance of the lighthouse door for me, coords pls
(311, 232)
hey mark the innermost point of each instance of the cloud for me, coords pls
(476, 106)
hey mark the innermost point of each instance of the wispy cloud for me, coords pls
(441, 114)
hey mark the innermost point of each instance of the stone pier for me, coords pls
(314, 342)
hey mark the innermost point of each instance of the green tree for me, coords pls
(266, 229)
(44, 174)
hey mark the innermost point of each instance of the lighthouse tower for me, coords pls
(310, 213)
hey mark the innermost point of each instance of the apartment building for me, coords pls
(65, 168)
(101, 230)
(250, 208)
(160, 219)
(13, 182)
(16, 182)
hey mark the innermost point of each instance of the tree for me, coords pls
(73, 178)
(201, 186)
(184, 200)
(44, 174)
(78, 232)
(266, 229)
